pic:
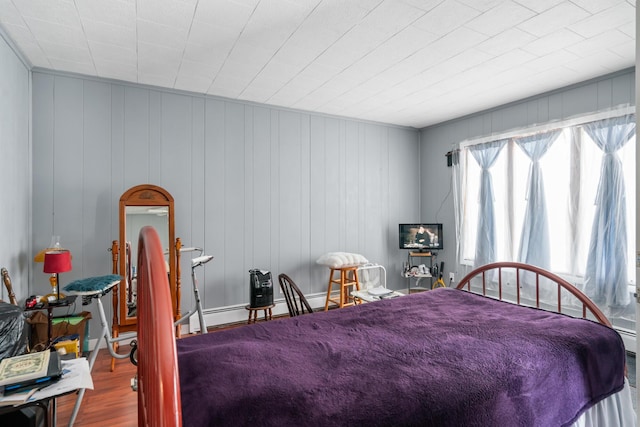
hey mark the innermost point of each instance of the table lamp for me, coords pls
(58, 261)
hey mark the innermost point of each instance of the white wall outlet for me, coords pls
(452, 276)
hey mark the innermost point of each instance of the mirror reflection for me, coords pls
(137, 217)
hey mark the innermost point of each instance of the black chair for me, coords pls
(296, 302)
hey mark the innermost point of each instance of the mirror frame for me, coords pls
(145, 195)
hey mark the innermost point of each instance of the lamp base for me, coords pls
(52, 297)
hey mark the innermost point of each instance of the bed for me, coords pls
(446, 357)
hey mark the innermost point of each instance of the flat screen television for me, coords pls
(421, 236)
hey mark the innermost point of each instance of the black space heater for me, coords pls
(261, 288)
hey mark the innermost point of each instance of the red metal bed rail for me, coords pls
(158, 381)
(587, 304)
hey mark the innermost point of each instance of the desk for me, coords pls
(253, 313)
(364, 295)
(76, 376)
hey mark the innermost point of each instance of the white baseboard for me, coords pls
(238, 313)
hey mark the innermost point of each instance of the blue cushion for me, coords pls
(93, 285)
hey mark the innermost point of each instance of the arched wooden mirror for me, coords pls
(140, 206)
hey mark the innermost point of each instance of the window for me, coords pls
(571, 173)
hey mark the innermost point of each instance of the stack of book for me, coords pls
(21, 376)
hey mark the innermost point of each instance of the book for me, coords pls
(24, 368)
(33, 370)
(17, 398)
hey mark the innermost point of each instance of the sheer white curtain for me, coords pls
(606, 273)
(486, 155)
(534, 239)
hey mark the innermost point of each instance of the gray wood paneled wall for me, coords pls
(15, 166)
(436, 199)
(256, 186)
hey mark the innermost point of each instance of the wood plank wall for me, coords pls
(256, 186)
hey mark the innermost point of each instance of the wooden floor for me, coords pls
(112, 402)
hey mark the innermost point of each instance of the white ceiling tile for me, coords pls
(319, 72)
(56, 33)
(425, 5)
(598, 43)
(112, 34)
(605, 20)
(163, 35)
(455, 42)
(167, 12)
(313, 40)
(280, 16)
(446, 17)
(239, 70)
(224, 13)
(158, 53)
(629, 29)
(113, 12)
(192, 83)
(462, 62)
(257, 93)
(116, 70)
(540, 5)
(59, 12)
(554, 41)
(409, 62)
(507, 40)
(161, 80)
(110, 52)
(394, 50)
(339, 84)
(66, 52)
(10, 15)
(560, 16)
(251, 54)
(500, 18)
(390, 17)
(482, 5)
(158, 60)
(294, 57)
(276, 71)
(320, 98)
(288, 95)
(73, 67)
(227, 86)
(204, 55)
(624, 50)
(268, 38)
(598, 64)
(334, 17)
(205, 34)
(550, 61)
(198, 69)
(595, 6)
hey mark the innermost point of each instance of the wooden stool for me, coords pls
(253, 313)
(345, 283)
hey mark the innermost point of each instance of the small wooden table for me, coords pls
(253, 313)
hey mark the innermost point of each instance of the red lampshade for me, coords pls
(57, 262)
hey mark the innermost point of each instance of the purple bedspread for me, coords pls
(439, 358)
